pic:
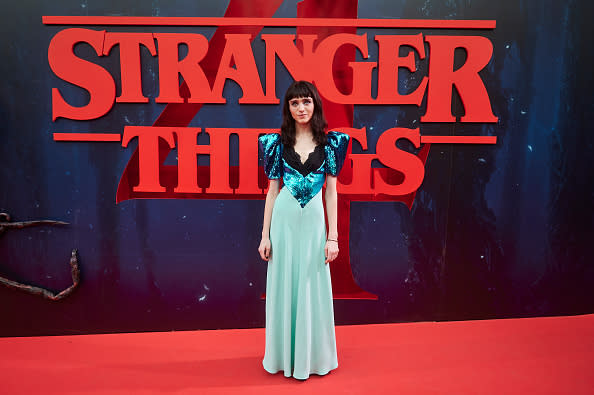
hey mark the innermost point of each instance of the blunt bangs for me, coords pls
(298, 90)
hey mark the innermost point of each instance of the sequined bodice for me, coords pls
(303, 186)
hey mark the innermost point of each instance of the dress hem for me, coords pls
(319, 373)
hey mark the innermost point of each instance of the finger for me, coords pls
(267, 253)
(333, 256)
(263, 253)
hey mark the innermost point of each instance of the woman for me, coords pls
(300, 336)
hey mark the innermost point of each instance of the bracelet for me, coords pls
(332, 240)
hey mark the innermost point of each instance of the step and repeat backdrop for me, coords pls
(132, 190)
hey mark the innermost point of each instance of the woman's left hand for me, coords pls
(331, 250)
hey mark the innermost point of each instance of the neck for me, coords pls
(303, 130)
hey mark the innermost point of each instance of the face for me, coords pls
(302, 109)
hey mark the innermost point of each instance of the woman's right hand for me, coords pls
(265, 249)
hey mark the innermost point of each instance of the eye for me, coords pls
(293, 103)
(307, 101)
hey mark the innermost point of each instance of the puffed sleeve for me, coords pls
(271, 147)
(335, 150)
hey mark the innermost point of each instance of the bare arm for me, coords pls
(265, 248)
(331, 249)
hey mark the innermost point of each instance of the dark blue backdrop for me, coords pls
(495, 231)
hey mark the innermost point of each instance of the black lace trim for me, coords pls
(313, 162)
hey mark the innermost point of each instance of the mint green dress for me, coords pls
(300, 336)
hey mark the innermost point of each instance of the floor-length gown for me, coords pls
(300, 337)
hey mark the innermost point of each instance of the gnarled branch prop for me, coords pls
(5, 224)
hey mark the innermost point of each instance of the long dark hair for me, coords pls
(318, 121)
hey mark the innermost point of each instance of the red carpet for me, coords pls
(515, 356)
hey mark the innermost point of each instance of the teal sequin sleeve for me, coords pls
(335, 150)
(271, 147)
